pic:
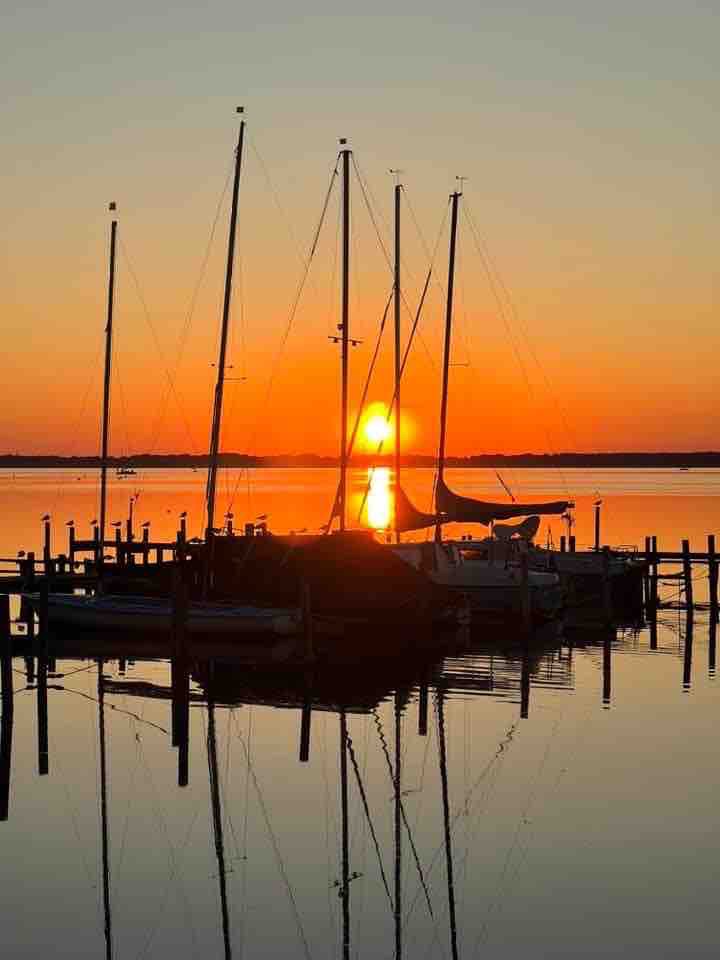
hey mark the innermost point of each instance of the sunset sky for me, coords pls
(589, 136)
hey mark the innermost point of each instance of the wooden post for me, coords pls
(159, 555)
(7, 706)
(712, 647)
(713, 577)
(30, 571)
(563, 545)
(572, 543)
(47, 560)
(183, 527)
(654, 576)
(607, 586)
(687, 574)
(525, 599)
(646, 575)
(607, 668)
(145, 541)
(687, 652)
(98, 548)
(305, 716)
(525, 683)
(71, 546)
(423, 708)
(118, 547)
(180, 673)
(307, 622)
(597, 526)
(5, 639)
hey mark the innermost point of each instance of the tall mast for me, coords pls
(398, 827)
(103, 815)
(398, 357)
(448, 331)
(446, 823)
(345, 882)
(219, 386)
(217, 817)
(344, 328)
(106, 389)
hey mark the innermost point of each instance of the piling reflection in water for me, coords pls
(366, 708)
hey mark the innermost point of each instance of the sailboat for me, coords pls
(105, 610)
(493, 589)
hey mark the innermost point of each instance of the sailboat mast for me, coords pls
(398, 356)
(345, 888)
(440, 705)
(448, 335)
(220, 384)
(398, 828)
(344, 330)
(106, 388)
(103, 814)
(217, 818)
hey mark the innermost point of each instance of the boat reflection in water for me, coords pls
(200, 679)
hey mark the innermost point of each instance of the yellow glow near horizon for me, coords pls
(377, 429)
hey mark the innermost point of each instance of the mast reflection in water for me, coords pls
(442, 837)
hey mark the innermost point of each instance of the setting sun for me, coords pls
(377, 429)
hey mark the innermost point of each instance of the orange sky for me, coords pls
(592, 176)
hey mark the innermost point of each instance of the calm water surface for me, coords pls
(582, 778)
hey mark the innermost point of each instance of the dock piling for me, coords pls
(713, 577)
(687, 574)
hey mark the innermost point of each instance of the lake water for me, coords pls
(580, 814)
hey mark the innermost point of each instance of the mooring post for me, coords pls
(7, 706)
(423, 707)
(118, 547)
(146, 549)
(712, 647)
(562, 543)
(654, 575)
(607, 667)
(687, 652)
(307, 622)
(571, 543)
(646, 575)
(607, 586)
(305, 717)
(713, 577)
(525, 598)
(687, 574)
(47, 559)
(71, 545)
(597, 525)
(180, 673)
(525, 682)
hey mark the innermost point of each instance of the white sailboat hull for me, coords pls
(148, 614)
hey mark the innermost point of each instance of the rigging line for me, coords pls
(148, 319)
(361, 406)
(174, 861)
(243, 881)
(482, 936)
(121, 394)
(291, 318)
(368, 817)
(185, 332)
(276, 848)
(418, 865)
(523, 330)
(391, 407)
(112, 706)
(503, 315)
(501, 749)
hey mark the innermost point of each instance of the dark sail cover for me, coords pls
(408, 517)
(466, 510)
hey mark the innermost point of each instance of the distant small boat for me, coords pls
(683, 468)
(125, 472)
(149, 614)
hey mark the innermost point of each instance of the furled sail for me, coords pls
(466, 510)
(408, 517)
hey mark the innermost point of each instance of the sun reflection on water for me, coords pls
(379, 500)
